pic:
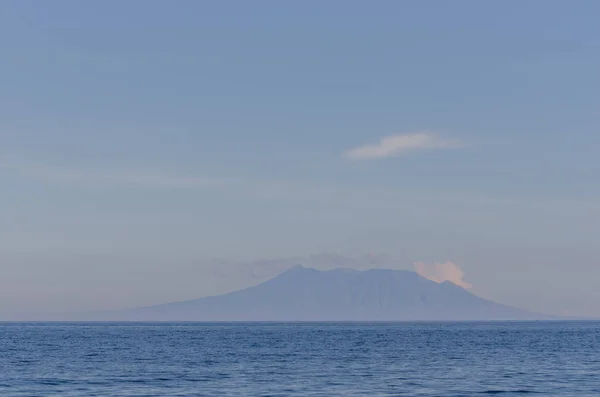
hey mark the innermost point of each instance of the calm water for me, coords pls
(510, 359)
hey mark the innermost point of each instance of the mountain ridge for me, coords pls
(342, 294)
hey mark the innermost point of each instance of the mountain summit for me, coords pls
(306, 294)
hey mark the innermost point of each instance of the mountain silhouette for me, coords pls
(306, 294)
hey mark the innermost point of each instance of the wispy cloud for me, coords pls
(106, 177)
(440, 272)
(136, 178)
(396, 145)
(338, 197)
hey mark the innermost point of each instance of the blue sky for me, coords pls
(147, 137)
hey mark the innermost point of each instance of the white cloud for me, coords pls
(440, 272)
(396, 145)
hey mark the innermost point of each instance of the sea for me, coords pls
(300, 359)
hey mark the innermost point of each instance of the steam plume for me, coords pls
(440, 272)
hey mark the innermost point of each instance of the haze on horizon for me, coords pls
(152, 153)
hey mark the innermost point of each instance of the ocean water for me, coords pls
(419, 359)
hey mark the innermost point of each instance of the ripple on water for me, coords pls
(512, 359)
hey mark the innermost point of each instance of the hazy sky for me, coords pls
(147, 148)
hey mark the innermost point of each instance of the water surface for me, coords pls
(418, 359)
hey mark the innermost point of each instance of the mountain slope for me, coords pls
(304, 294)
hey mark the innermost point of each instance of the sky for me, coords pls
(153, 151)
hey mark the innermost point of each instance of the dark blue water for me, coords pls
(468, 359)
